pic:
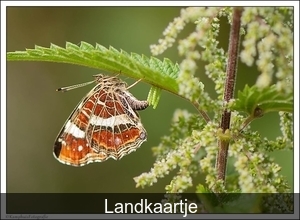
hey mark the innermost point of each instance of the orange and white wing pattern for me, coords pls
(105, 124)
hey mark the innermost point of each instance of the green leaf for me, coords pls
(256, 102)
(160, 74)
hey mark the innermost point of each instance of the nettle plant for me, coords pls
(199, 143)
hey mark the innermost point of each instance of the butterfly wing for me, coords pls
(104, 125)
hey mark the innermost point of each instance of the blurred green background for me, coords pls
(36, 113)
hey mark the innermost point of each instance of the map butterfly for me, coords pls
(105, 124)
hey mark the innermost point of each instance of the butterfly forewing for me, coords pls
(104, 125)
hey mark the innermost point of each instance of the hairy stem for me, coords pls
(233, 49)
(202, 113)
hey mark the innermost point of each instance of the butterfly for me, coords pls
(105, 124)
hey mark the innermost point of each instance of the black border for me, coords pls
(104, 203)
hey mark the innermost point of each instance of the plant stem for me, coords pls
(203, 113)
(233, 49)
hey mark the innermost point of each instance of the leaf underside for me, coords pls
(160, 74)
(266, 100)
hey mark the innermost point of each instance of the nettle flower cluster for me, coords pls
(191, 147)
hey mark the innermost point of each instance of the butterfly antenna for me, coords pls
(116, 75)
(68, 88)
(132, 85)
